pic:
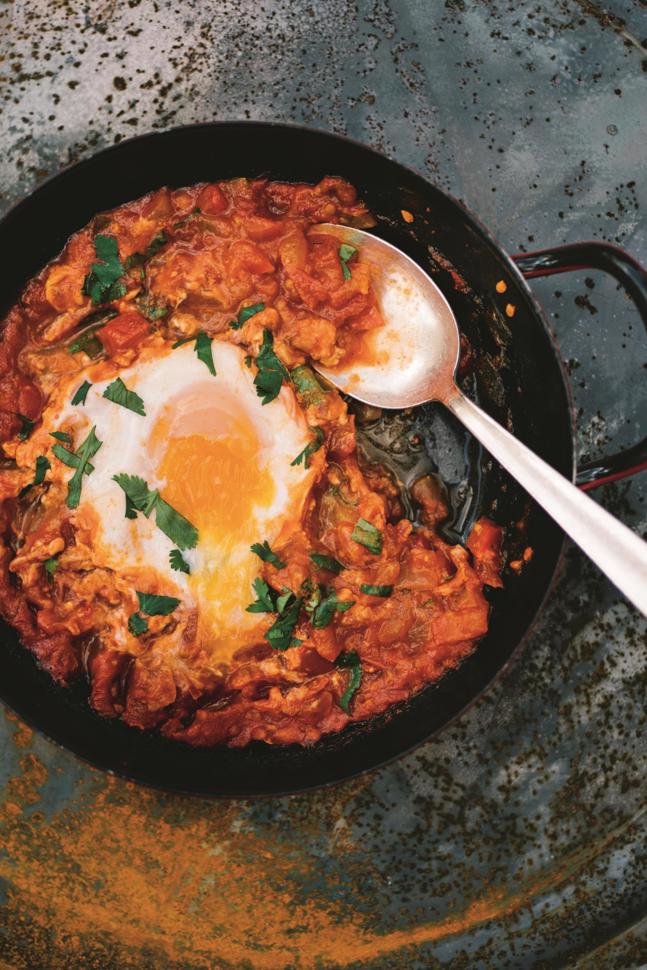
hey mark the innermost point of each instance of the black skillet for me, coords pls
(513, 367)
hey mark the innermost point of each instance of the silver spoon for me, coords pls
(414, 357)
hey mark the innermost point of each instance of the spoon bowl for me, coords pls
(412, 359)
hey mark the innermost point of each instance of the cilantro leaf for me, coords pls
(178, 529)
(245, 314)
(178, 562)
(51, 565)
(118, 393)
(310, 449)
(42, 464)
(70, 458)
(154, 605)
(324, 612)
(265, 601)
(81, 393)
(89, 448)
(279, 634)
(264, 552)
(346, 252)
(367, 535)
(271, 372)
(352, 662)
(26, 427)
(327, 562)
(137, 624)
(204, 352)
(375, 590)
(103, 283)
(154, 246)
(61, 436)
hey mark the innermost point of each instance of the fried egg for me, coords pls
(216, 454)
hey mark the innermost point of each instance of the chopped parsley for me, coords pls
(149, 308)
(89, 448)
(70, 458)
(367, 535)
(178, 562)
(61, 436)
(346, 253)
(204, 352)
(26, 427)
(154, 605)
(280, 633)
(310, 449)
(81, 393)
(323, 613)
(51, 565)
(327, 562)
(88, 343)
(307, 386)
(137, 624)
(139, 498)
(271, 372)
(154, 246)
(264, 552)
(42, 464)
(352, 662)
(375, 590)
(118, 393)
(103, 284)
(265, 601)
(245, 314)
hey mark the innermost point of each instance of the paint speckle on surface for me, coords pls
(516, 839)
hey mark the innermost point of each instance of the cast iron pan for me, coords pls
(515, 372)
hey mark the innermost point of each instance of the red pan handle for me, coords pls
(633, 278)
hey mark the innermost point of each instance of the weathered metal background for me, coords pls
(517, 838)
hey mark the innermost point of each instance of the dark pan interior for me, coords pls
(517, 376)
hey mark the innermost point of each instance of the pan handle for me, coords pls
(633, 278)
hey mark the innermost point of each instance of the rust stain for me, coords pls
(189, 880)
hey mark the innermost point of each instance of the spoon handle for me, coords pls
(614, 548)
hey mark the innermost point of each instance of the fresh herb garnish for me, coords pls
(280, 633)
(26, 426)
(81, 393)
(245, 314)
(42, 464)
(375, 590)
(154, 246)
(310, 449)
(88, 342)
(118, 393)
(70, 458)
(154, 605)
(103, 283)
(178, 529)
(149, 308)
(248, 360)
(204, 351)
(307, 386)
(264, 552)
(178, 562)
(327, 607)
(265, 601)
(271, 372)
(89, 448)
(352, 662)
(327, 562)
(61, 436)
(51, 565)
(194, 212)
(367, 535)
(137, 624)
(346, 253)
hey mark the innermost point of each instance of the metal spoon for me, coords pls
(413, 360)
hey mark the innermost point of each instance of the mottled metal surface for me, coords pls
(517, 838)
